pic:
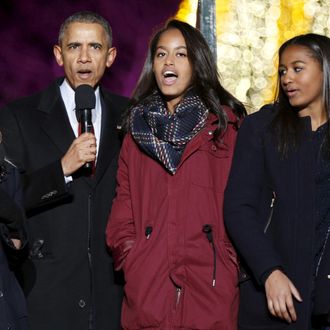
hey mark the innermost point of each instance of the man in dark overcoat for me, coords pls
(68, 277)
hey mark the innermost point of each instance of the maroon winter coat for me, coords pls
(155, 231)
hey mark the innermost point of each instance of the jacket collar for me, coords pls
(55, 121)
(207, 134)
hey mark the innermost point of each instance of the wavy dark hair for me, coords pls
(286, 122)
(206, 79)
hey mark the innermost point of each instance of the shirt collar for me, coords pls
(68, 95)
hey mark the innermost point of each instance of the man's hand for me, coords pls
(81, 151)
(279, 292)
(17, 243)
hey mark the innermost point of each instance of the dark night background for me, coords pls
(29, 29)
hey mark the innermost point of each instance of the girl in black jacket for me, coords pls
(277, 202)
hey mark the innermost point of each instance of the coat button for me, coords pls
(213, 147)
(210, 132)
(1, 294)
(82, 303)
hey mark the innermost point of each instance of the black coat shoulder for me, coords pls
(32, 101)
(263, 117)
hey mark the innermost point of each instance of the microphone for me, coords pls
(85, 102)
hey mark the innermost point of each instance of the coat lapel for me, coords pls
(56, 123)
(109, 140)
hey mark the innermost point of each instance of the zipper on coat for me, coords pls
(207, 229)
(175, 319)
(322, 252)
(148, 232)
(270, 217)
(178, 296)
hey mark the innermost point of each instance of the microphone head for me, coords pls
(85, 97)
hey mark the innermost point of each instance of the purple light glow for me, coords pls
(29, 30)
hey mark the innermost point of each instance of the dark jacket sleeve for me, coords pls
(41, 187)
(243, 199)
(44, 186)
(11, 207)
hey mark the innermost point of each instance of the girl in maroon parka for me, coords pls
(166, 227)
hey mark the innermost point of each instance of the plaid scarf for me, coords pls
(163, 136)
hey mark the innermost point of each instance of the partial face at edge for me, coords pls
(84, 54)
(172, 68)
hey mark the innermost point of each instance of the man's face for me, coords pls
(84, 53)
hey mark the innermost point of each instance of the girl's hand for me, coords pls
(279, 292)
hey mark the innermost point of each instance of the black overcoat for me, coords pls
(69, 272)
(13, 311)
(266, 237)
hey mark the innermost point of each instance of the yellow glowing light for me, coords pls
(187, 11)
(249, 33)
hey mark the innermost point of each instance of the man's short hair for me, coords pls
(86, 17)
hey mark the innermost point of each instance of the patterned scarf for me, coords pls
(163, 136)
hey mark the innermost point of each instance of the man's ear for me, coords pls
(57, 50)
(112, 53)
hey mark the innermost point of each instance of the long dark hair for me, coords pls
(206, 81)
(286, 122)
